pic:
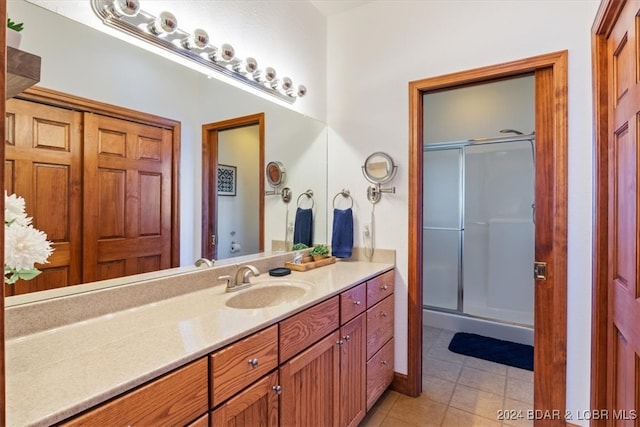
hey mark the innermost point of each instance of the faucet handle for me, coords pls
(225, 277)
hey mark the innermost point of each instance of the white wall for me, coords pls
(376, 49)
(239, 216)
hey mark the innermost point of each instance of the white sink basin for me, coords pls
(269, 293)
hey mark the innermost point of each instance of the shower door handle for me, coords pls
(540, 270)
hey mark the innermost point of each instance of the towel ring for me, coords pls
(309, 194)
(343, 193)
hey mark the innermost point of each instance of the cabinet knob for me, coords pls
(384, 287)
(253, 362)
(384, 362)
(277, 389)
(356, 302)
(340, 342)
(383, 314)
(347, 337)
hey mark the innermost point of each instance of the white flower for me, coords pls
(14, 211)
(25, 246)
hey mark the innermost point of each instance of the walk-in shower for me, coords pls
(478, 232)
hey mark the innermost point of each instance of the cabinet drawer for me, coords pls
(175, 399)
(303, 329)
(379, 325)
(243, 362)
(352, 302)
(379, 373)
(379, 288)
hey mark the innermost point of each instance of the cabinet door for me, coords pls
(256, 406)
(379, 325)
(353, 372)
(311, 386)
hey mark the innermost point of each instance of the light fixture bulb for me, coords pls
(199, 39)
(120, 8)
(269, 74)
(250, 65)
(165, 23)
(302, 90)
(225, 53)
(287, 84)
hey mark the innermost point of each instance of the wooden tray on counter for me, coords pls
(311, 264)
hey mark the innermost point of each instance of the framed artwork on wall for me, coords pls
(227, 179)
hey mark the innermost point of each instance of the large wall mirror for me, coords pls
(82, 61)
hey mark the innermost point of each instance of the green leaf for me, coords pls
(15, 26)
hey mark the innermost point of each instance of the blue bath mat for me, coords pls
(494, 350)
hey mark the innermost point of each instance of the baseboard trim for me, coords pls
(400, 384)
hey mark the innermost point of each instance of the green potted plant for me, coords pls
(13, 33)
(319, 252)
(299, 247)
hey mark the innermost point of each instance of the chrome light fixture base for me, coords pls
(126, 16)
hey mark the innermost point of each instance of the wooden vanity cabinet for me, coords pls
(240, 364)
(324, 366)
(177, 398)
(255, 406)
(380, 325)
(353, 371)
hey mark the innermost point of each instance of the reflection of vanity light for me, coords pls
(249, 66)
(287, 85)
(162, 31)
(165, 23)
(121, 8)
(199, 39)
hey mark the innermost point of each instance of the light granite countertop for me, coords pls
(56, 373)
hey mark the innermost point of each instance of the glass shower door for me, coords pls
(499, 232)
(442, 228)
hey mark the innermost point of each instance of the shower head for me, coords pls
(517, 132)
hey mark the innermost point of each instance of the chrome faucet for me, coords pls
(241, 278)
(205, 261)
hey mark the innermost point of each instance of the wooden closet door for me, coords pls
(43, 164)
(127, 198)
(624, 258)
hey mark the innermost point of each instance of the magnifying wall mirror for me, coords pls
(277, 176)
(379, 168)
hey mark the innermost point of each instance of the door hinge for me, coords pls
(540, 270)
(213, 240)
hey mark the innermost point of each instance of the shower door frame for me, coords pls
(550, 335)
(461, 147)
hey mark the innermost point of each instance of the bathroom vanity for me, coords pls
(323, 358)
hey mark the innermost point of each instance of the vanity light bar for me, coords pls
(163, 31)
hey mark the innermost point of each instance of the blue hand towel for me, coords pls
(342, 236)
(303, 228)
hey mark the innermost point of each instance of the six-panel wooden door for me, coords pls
(624, 288)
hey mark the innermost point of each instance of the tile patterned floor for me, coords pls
(458, 391)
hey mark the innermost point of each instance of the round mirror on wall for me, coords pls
(379, 168)
(276, 173)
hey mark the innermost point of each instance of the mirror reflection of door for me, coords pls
(233, 187)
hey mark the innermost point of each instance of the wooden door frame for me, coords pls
(551, 219)
(602, 26)
(209, 180)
